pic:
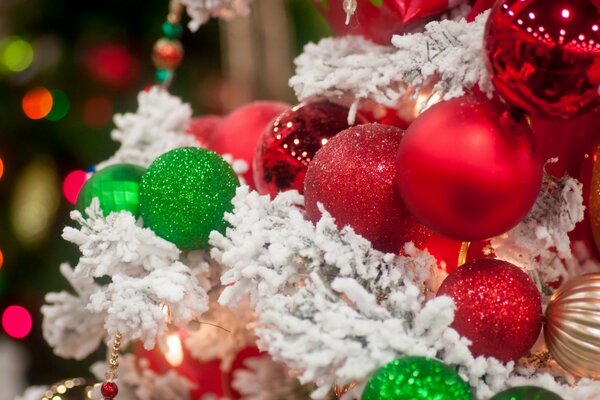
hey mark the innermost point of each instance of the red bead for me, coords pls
(353, 177)
(288, 145)
(467, 171)
(167, 53)
(240, 131)
(109, 390)
(498, 308)
(544, 55)
(204, 127)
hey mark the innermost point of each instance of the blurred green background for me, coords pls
(92, 58)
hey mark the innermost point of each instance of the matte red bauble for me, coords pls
(290, 142)
(353, 178)
(204, 127)
(498, 308)
(544, 55)
(239, 364)
(240, 131)
(379, 23)
(468, 171)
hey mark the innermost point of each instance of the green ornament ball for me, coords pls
(117, 188)
(526, 393)
(416, 378)
(185, 194)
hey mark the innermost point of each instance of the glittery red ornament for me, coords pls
(167, 53)
(240, 131)
(498, 308)
(353, 178)
(544, 55)
(467, 171)
(109, 390)
(380, 22)
(204, 127)
(290, 142)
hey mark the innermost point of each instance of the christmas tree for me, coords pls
(424, 224)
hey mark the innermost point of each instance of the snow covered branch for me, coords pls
(352, 69)
(201, 11)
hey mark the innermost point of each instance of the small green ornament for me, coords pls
(526, 393)
(185, 194)
(172, 31)
(416, 378)
(117, 188)
(163, 75)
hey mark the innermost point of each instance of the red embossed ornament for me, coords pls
(109, 390)
(498, 308)
(544, 55)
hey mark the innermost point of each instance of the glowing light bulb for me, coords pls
(174, 353)
(565, 13)
(16, 322)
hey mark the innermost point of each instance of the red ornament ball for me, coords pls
(239, 132)
(498, 308)
(167, 53)
(544, 55)
(353, 177)
(204, 127)
(467, 171)
(290, 142)
(109, 390)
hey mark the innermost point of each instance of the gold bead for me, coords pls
(572, 329)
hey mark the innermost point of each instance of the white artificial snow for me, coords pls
(201, 11)
(159, 125)
(351, 68)
(138, 382)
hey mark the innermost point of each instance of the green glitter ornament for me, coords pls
(416, 378)
(116, 187)
(185, 194)
(526, 393)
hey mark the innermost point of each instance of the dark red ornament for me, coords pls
(204, 127)
(240, 131)
(467, 171)
(353, 178)
(379, 23)
(289, 144)
(544, 55)
(238, 364)
(109, 390)
(498, 308)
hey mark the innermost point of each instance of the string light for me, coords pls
(16, 322)
(16, 54)
(174, 353)
(72, 185)
(37, 103)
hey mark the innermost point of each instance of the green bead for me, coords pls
(185, 194)
(172, 31)
(416, 378)
(526, 393)
(163, 75)
(117, 188)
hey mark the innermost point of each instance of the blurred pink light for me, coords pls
(16, 322)
(72, 185)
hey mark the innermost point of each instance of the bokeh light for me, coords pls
(1, 168)
(60, 105)
(1, 259)
(37, 103)
(16, 54)
(72, 185)
(97, 112)
(17, 322)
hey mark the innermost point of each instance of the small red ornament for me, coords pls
(239, 132)
(290, 142)
(498, 308)
(544, 55)
(167, 53)
(468, 171)
(109, 390)
(238, 364)
(204, 127)
(380, 22)
(353, 178)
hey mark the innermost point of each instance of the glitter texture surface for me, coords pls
(184, 195)
(416, 378)
(526, 393)
(498, 308)
(117, 188)
(352, 176)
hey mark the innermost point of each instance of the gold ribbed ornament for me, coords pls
(572, 329)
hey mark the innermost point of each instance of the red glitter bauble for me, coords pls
(467, 171)
(288, 145)
(109, 390)
(353, 178)
(204, 127)
(239, 132)
(239, 364)
(544, 55)
(498, 308)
